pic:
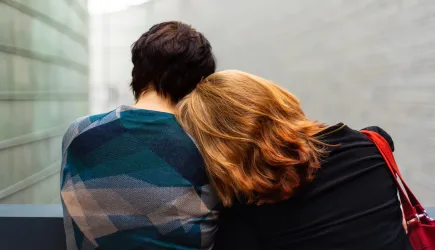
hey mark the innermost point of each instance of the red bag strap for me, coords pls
(411, 206)
(383, 146)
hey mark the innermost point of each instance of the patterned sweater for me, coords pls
(133, 179)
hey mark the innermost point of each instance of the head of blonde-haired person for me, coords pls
(256, 142)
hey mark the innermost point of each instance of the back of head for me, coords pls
(171, 58)
(255, 139)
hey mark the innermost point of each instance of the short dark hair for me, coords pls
(170, 58)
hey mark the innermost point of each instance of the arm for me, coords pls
(388, 138)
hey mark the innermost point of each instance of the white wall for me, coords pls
(363, 62)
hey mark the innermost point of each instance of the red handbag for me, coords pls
(421, 228)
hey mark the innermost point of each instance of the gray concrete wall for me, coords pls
(43, 87)
(362, 62)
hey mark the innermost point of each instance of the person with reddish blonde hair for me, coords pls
(261, 121)
(297, 183)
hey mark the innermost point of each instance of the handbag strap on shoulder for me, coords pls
(411, 206)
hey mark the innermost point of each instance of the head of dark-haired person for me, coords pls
(132, 178)
(170, 58)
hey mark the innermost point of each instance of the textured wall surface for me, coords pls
(43, 87)
(362, 62)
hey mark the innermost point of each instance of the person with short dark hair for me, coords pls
(132, 178)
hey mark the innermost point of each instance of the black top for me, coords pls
(351, 204)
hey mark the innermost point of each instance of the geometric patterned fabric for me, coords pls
(133, 179)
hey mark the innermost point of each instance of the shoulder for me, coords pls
(179, 150)
(183, 145)
(82, 124)
(383, 133)
(179, 138)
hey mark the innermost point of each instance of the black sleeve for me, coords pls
(383, 133)
(235, 233)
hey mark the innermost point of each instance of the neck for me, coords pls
(151, 100)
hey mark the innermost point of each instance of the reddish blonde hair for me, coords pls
(256, 142)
